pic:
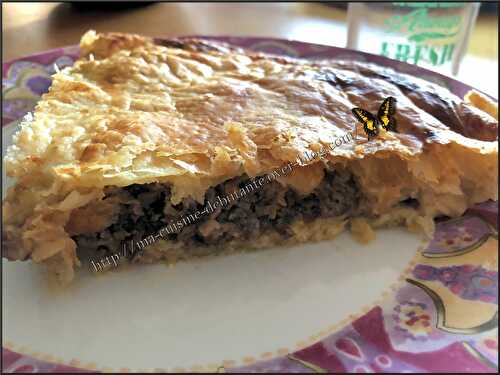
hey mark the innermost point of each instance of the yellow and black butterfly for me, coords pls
(384, 117)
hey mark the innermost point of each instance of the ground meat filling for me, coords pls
(147, 209)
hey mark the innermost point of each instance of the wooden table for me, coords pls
(34, 27)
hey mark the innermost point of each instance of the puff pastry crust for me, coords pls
(193, 114)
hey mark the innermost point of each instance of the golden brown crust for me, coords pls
(195, 114)
(482, 102)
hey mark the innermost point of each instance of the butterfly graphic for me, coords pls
(384, 117)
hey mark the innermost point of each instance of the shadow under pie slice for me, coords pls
(185, 148)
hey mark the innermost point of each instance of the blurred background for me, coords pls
(34, 27)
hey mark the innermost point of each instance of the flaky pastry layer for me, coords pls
(192, 114)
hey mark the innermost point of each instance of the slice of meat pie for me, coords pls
(186, 148)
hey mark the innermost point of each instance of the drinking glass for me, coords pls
(430, 34)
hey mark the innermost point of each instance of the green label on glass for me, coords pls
(414, 53)
(419, 28)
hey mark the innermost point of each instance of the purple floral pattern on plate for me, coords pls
(455, 237)
(413, 319)
(366, 346)
(400, 334)
(25, 80)
(469, 282)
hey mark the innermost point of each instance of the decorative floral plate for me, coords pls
(394, 305)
